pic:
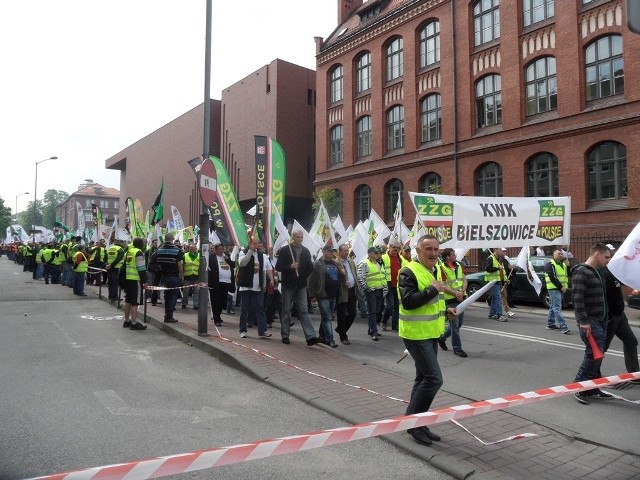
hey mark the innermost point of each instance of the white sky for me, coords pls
(83, 79)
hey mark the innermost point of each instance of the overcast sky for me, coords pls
(84, 79)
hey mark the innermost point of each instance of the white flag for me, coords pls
(625, 264)
(525, 264)
(283, 233)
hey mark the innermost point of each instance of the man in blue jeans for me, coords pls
(373, 282)
(324, 285)
(170, 261)
(590, 308)
(556, 271)
(496, 270)
(454, 293)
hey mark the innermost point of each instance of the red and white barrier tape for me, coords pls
(215, 457)
(153, 287)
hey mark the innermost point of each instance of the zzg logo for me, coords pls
(437, 218)
(551, 223)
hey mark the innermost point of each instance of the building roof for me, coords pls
(97, 189)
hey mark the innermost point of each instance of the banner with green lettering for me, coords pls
(270, 179)
(485, 222)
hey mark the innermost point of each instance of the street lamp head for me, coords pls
(53, 158)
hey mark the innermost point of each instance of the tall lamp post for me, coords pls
(19, 195)
(35, 197)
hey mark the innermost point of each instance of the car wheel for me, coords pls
(545, 298)
(473, 288)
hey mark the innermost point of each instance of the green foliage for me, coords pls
(5, 218)
(435, 188)
(331, 199)
(45, 211)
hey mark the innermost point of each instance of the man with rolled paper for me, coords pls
(590, 306)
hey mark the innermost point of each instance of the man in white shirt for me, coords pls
(254, 274)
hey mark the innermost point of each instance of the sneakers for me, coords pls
(312, 341)
(332, 344)
(493, 316)
(345, 341)
(243, 334)
(374, 338)
(286, 340)
(581, 397)
(553, 327)
(511, 314)
(502, 318)
(460, 353)
(137, 326)
(126, 324)
(566, 331)
(443, 344)
(265, 335)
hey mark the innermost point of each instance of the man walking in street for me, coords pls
(454, 293)
(393, 262)
(324, 285)
(495, 269)
(349, 293)
(421, 324)
(373, 281)
(295, 264)
(590, 308)
(254, 274)
(556, 271)
(170, 260)
(135, 279)
(221, 281)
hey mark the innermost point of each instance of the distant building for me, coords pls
(88, 193)
(164, 153)
(487, 98)
(277, 101)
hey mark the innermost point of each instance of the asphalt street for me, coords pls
(80, 391)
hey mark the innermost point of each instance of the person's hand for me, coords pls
(460, 296)
(451, 313)
(294, 265)
(586, 329)
(438, 285)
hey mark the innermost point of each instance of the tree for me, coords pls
(52, 198)
(5, 218)
(331, 199)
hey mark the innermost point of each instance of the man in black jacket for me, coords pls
(221, 281)
(295, 265)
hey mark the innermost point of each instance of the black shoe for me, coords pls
(460, 353)
(126, 324)
(218, 324)
(553, 327)
(138, 326)
(443, 344)
(345, 341)
(374, 338)
(82, 294)
(312, 341)
(432, 436)
(600, 394)
(171, 320)
(321, 340)
(286, 340)
(184, 307)
(420, 436)
(581, 397)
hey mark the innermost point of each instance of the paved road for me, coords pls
(78, 390)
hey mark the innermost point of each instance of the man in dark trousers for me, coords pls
(169, 259)
(349, 293)
(221, 281)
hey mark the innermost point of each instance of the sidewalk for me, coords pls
(549, 455)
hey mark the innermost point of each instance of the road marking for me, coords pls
(529, 338)
(69, 339)
(117, 406)
(93, 317)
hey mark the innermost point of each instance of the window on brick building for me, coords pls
(362, 203)
(604, 67)
(489, 101)
(431, 113)
(336, 135)
(392, 191)
(336, 83)
(394, 55)
(607, 164)
(541, 86)
(542, 176)
(489, 180)
(395, 128)
(364, 134)
(535, 11)
(430, 44)
(486, 21)
(430, 183)
(363, 72)
(339, 201)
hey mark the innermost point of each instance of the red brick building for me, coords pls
(277, 101)
(89, 193)
(481, 97)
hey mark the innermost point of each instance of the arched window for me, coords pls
(362, 203)
(363, 72)
(489, 180)
(489, 101)
(337, 82)
(339, 201)
(395, 128)
(431, 113)
(607, 164)
(430, 183)
(535, 11)
(541, 86)
(394, 57)
(430, 44)
(486, 21)
(604, 67)
(542, 176)
(337, 144)
(392, 191)
(363, 127)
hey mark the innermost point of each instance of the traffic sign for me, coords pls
(208, 182)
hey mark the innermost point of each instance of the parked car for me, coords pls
(523, 291)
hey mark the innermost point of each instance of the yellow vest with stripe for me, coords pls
(112, 253)
(58, 257)
(191, 266)
(561, 275)
(427, 321)
(83, 266)
(375, 276)
(455, 278)
(130, 264)
(386, 261)
(493, 275)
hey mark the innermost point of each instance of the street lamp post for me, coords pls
(35, 197)
(16, 211)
